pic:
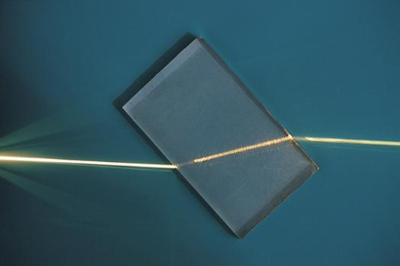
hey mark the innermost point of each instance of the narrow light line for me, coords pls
(243, 149)
(84, 162)
(350, 141)
(197, 160)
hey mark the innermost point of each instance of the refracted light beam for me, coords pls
(243, 149)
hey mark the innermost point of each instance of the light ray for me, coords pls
(244, 149)
(197, 160)
(350, 141)
(84, 162)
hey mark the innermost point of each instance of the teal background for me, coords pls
(323, 68)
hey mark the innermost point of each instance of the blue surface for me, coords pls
(323, 68)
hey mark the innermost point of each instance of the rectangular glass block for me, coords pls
(223, 140)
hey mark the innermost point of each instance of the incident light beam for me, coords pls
(84, 162)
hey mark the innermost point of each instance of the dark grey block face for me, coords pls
(224, 142)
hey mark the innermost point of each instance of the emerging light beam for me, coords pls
(350, 141)
(84, 163)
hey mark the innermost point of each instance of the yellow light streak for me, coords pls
(350, 141)
(197, 160)
(243, 149)
(84, 162)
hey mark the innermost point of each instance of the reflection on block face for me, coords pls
(224, 142)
